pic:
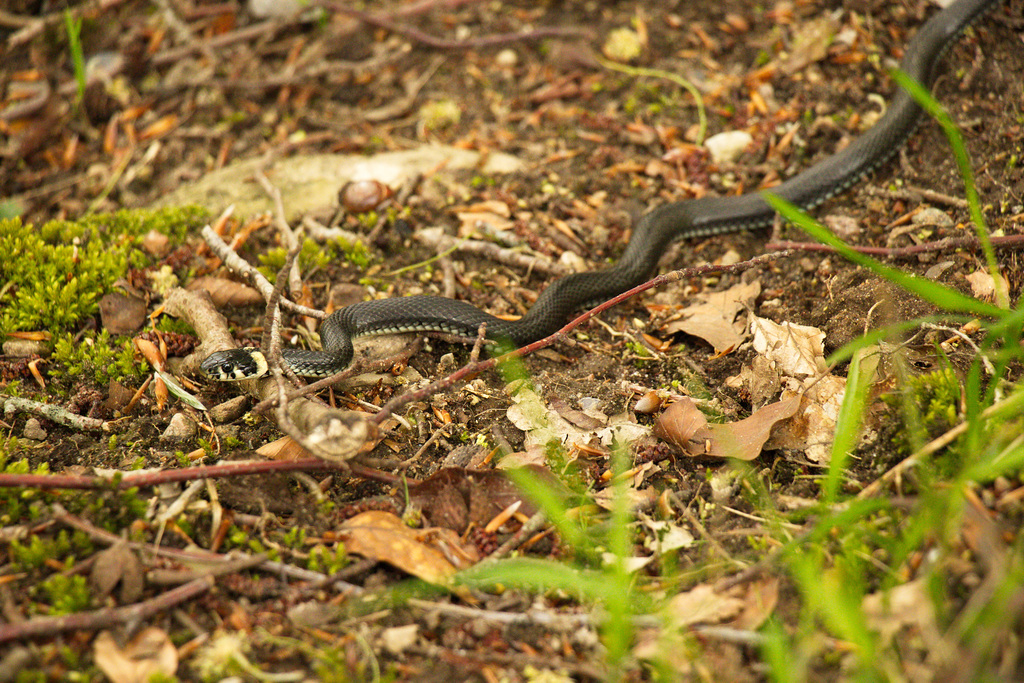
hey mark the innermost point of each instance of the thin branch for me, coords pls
(230, 469)
(441, 241)
(104, 618)
(14, 404)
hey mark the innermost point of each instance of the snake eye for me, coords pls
(234, 365)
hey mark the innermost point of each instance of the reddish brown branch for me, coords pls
(999, 242)
(230, 469)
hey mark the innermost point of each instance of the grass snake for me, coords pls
(653, 233)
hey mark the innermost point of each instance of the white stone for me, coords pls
(726, 147)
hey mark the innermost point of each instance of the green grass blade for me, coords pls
(851, 415)
(963, 163)
(73, 25)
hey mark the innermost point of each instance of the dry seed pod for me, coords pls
(648, 403)
(360, 196)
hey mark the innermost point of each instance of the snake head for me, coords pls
(234, 365)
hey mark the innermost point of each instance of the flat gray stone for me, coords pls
(311, 182)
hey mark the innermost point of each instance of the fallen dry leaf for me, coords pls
(907, 606)
(796, 349)
(744, 440)
(117, 565)
(760, 597)
(810, 43)
(683, 425)
(983, 285)
(121, 313)
(702, 605)
(713, 318)
(148, 654)
(542, 422)
(456, 498)
(663, 536)
(151, 352)
(227, 292)
(285, 448)
(384, 537)
(813, 427)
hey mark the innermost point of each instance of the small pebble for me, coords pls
(264, 9)
(397, 639)
(360, 196)
(229, 411)
(932, 216)
(34, 430)
(728, 146)
(648, 403)
(181, 428)
(507, 58)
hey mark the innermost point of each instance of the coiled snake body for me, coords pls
(654, 231)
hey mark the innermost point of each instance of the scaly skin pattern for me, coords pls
(655, 230)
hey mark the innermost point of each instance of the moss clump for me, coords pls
(65, 594)
(37, 550)
(98, 357)
(930, 406)
(314, 256)
(18, 505)
(323, 559)
(55, 275)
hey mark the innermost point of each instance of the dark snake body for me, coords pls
(653, 233)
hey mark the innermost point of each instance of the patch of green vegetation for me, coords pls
(39, 549)
(930, 405)
(295, 537)
(173, 325)
(100, 358)
(17, 505)
(314, 256)
(31, 676)
(112, 510)
(325, 560)
(641, 355)
(600, 575)
(73, 26)
(477, 182)
(55, 275)
(65, 594)
(10, 208)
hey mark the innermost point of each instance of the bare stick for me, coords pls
(288, 236)
(14, 404)
(442, 241)
(103, 618)
(532, 526)
(235, 468)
